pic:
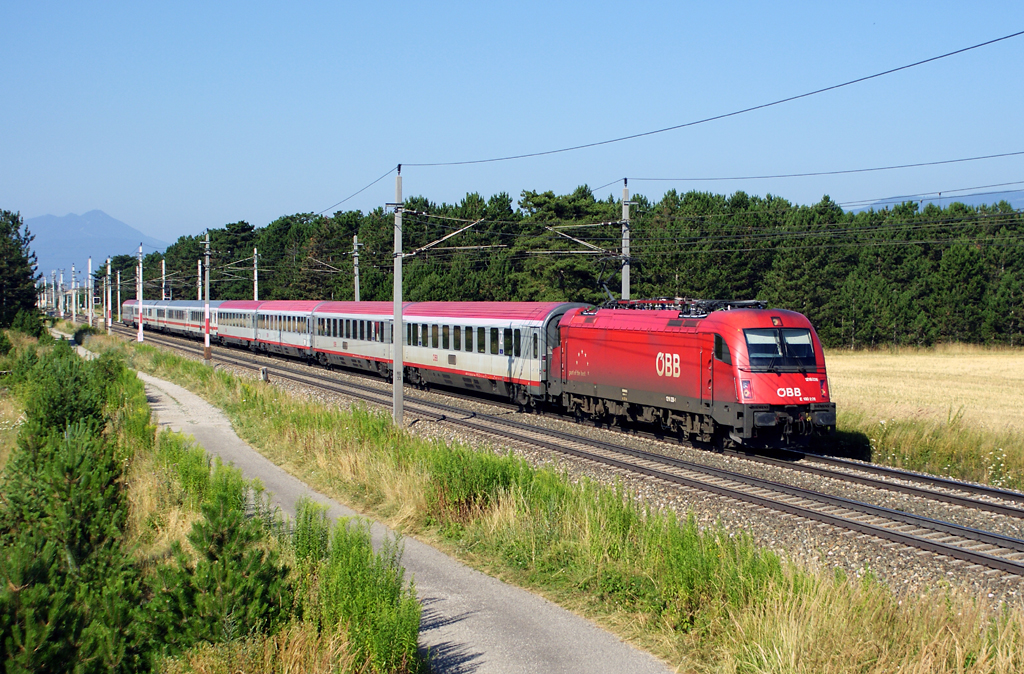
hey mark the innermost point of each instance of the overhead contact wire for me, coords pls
(725, 115)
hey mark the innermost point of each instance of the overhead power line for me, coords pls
(724, 115)
(829, 173)
(358, 191)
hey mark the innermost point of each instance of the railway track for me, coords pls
(968, 545)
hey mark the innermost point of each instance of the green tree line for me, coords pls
(900, 275)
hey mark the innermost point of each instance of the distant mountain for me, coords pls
(1015, 198)
(71, 239)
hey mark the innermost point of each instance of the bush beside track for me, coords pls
(89, 580)
(701, 600)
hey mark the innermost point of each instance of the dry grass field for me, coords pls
(985, 386)
(957, 410)
(10, 422)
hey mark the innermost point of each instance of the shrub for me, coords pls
(234, 589)
(83, 332)
(29, 322)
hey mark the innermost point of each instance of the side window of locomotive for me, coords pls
(518, 343)
(481, 337)
(494, 341)
(722, 350)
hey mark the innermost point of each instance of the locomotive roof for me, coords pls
(516, 311)
(669, 320)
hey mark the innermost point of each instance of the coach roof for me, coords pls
(511, 311)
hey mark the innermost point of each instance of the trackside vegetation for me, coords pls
(124, 550)
(702, 599)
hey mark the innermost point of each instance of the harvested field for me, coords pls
(984, 386)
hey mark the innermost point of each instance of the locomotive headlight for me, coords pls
(748, 392)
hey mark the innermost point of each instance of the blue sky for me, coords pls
(175, 117)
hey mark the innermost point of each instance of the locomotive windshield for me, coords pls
(788, 348)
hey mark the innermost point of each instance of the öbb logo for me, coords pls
(788, 392)
(667, 364)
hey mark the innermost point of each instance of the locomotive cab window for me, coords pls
(722, 350)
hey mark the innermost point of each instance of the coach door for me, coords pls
(707, 362)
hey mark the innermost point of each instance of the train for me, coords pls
(727, 373)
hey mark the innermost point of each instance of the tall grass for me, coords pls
(297, 649)
(951, 448)
(704, 600)
(350, 588)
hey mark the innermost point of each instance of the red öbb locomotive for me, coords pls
(731, 372)
(709, 370)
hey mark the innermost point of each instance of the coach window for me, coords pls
(457, 337)
(507, 346)
(535, 345)
(445, 337)
(481, 340)
(435, 340)
(494, 341)
(722, 350)
(518, 343)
